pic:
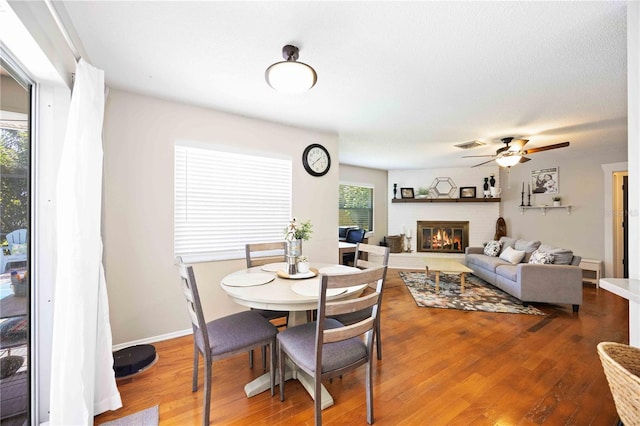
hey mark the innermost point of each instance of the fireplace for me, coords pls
(442, 236)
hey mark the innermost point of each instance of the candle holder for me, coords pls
(529, 200)
(522, 199)
(408, 250)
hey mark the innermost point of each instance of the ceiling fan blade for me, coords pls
(482, 163)
(546, 148)
(474, 156)
(524, 159)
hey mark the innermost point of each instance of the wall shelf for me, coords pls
(445, 200)
(544, 208)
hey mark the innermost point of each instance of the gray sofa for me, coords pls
(558, 282)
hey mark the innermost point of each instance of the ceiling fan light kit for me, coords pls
(508, 161)
(290, 76)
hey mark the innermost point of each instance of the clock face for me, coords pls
(316, 160)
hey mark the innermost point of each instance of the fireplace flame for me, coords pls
(442, 240)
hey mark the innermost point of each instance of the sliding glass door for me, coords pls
(15, 196)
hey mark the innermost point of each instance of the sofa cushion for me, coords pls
(507, 242)
(512, 255)
(481, 261)
(541, 257)
(492, 248)
(560, 256)
(527, 246)
(509, 272)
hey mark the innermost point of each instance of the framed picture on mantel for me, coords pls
(467, 192)
(406, 192)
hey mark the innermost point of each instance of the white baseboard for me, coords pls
(153, 339)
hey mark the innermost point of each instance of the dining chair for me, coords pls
(369, 256)
(327, 348)
(354, 236)
(222, 337)
(259, 254)
(621, 364)
(16, 250)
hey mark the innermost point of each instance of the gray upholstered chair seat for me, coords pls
(236, 332)
(302, 341)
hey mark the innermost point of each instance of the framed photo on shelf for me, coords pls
(406, 192)
(467, 192)
(545, 181)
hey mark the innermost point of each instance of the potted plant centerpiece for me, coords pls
(556, 201)
(303, 264)
(294, 233)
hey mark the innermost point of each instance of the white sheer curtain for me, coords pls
(82, 378)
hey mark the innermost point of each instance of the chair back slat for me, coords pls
(258, 254)
(347, 332)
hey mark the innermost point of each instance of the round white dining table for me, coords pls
(267, 287)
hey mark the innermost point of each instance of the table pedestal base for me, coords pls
(261, 384)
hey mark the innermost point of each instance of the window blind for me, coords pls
(225, 199)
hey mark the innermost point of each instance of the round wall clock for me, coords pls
(316, 160)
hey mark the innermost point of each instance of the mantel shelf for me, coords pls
(544, 208)
(445, 200)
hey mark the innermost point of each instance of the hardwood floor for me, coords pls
(439, 367)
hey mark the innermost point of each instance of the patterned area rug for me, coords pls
(478, 295)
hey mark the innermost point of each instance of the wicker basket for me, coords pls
(621, 365)
(394, 242)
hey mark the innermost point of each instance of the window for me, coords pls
(225, 198)
(355, 205)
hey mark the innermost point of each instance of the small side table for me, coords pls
(595, 266)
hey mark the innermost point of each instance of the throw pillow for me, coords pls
(512, 256)
(541, 258)
(492, 248)
(507, 242)
(560, 256)
(527, 246)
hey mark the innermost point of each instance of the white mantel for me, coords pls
(482, 217)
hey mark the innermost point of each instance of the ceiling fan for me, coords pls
(513, 153)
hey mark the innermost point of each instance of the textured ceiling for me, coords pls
(400, 82)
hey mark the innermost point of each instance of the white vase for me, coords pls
(556, 203)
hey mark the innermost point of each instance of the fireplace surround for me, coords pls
(442, 236)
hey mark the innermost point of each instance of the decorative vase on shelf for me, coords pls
(485, 188)
(492, 181)
(556, 204)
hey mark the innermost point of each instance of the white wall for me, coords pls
(581, 185)
(352, 175)
(482, 217)
(139, 137)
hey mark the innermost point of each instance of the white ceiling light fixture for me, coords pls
(290, 76)
(509, 160)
